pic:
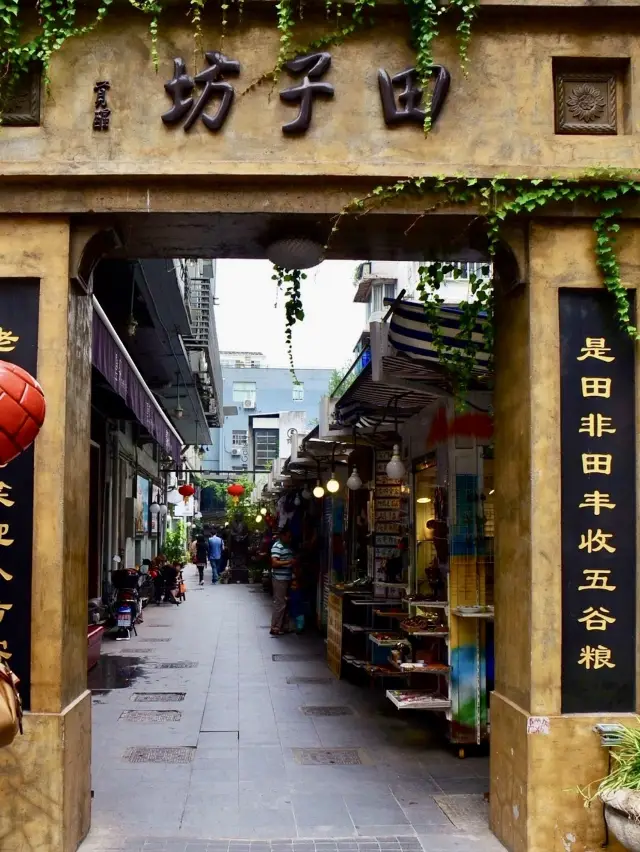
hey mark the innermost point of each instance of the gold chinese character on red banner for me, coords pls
(596, 619)
(596, 387)
(593, 542)
(595, 347)
(596, 658)
(597, 463)
(596, 425)
(598, 579)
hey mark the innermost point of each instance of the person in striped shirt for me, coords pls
(282, 562)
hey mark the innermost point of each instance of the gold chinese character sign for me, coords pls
(598, 506)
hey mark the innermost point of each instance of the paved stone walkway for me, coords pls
(227, 762)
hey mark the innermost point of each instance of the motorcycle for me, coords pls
(126, 605)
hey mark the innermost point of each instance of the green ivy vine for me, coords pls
(57, 22)
(499, 200)
(290, 281)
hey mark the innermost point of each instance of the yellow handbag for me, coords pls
(10, 706)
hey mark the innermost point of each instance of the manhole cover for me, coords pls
(159, 696)
(295, 679)
(294, 658)
(467, 811)
(174, 665)
(151, 715)
(151, 754)
(334, 710)
(328, 756)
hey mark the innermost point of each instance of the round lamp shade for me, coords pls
(154, 508)
(395, 468)
(295, 253)
(354, 482)
(22, 410)
(318, 491)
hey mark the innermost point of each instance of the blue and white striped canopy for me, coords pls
(409, 332)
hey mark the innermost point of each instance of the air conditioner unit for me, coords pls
(235, 451)
(248, 403)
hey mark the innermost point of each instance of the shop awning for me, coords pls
(405, 374)
(409, 331)
(372, 404)
(111, 359)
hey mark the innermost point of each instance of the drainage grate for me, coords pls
(154, 639)
(333, 710)
(151, 715)
(328, 756)
(174, 665)
(158, 696)
(300, 679)
(467, 811)
(294, 658)
(159, 625)
(151, 754)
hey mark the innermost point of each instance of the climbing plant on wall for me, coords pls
(500, 200)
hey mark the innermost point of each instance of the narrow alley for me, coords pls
(208, 734)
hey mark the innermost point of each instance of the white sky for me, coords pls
(246, 319)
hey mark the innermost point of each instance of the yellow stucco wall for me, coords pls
(500, 119)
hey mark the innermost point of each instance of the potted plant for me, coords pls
(619, 790)
(174, 548)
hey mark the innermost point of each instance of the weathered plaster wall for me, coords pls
(534, 804)
(498, 120)
(45, 775)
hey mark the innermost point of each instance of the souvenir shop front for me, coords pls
(417, 621)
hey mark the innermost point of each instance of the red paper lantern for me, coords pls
(187, 491)
(22, 410)
(236, 491)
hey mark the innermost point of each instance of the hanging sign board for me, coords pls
(19, 345)
(597, 360)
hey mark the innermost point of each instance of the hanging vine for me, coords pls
(290, 281)
(57, 23)
(498, 201)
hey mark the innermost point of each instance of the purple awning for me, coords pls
(109, 360)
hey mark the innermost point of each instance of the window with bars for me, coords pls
(298, 392)
(266, 447)
(239, 438)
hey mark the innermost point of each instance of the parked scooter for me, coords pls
(126, 604)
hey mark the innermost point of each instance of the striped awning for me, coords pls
(409, 332)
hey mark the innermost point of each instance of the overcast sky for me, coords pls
(246, 319)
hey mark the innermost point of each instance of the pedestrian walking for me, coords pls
(201, 556)
(282, 562)
(215, 547)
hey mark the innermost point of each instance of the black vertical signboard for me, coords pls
(19, 299)
(597, 361)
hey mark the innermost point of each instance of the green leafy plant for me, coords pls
(624, 772)
(57, 22)
(174, 545)
(290, 280)
(500, 200)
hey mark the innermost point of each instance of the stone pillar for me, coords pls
(45, 776)
(534, 803)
